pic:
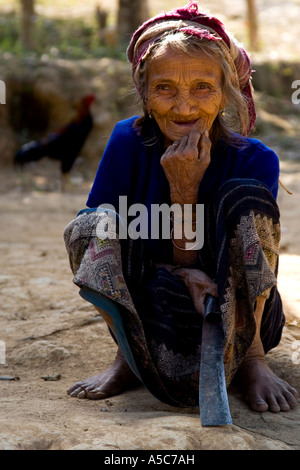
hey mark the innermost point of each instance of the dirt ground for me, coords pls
(49, 331)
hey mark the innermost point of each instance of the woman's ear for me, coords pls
(147, 109)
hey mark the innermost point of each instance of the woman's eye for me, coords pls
(163, 87)
(203, 86)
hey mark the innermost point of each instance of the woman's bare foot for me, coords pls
(113, 381)
(262, 389)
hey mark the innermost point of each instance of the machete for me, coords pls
(213, 399)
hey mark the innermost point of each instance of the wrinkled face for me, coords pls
(183, 93)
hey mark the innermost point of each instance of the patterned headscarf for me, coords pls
(189, 20)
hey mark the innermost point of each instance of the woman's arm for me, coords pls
(184, 164)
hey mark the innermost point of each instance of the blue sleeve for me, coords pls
(263, 164)
(118, 169)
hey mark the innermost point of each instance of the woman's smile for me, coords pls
(185, 123)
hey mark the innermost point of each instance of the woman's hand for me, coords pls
(184, 164)
(199, 285)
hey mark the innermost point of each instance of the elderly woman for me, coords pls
(189, 149)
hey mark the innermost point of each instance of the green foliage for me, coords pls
(8, 32)
(73, 38)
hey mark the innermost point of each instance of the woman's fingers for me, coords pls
(204, 146)
(184, 167)
(192, 142)
(195, 144)
(199, 285)
(188, 145)
(181, 145)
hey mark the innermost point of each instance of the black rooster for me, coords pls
(63, 144)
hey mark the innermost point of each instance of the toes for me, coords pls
(76, 388)
(89, 391)
(82, 394)
(277, 404)
(294, 393)
(273, 403)
(259, 405)
(72, 389)
(292, 398)
(282, 402)
(77, 391)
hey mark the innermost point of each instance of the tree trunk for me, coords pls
(252, 25)
(131, 14)
(27, 20)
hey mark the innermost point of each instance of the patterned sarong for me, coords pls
(156, 324)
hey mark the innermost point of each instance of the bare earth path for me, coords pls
(49, 331)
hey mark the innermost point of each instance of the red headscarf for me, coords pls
(216, 32)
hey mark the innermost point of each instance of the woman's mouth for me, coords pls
(186, 123)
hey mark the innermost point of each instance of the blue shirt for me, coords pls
(131, 168)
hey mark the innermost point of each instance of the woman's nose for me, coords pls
(184, 105)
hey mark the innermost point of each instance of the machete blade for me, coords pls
(213, 399)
